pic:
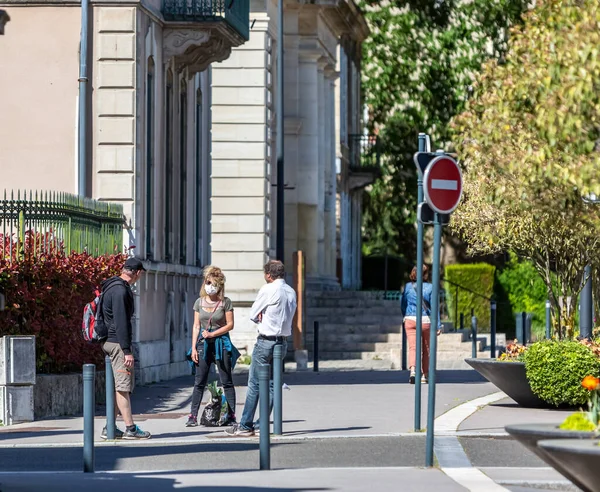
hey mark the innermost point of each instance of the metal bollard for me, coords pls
(89, 404)
(404, 347)
(110, 400)
(462, 321)
(316, 347)
(493, 329)
(474, 337)
(548, 321)
(277, 390)
(264, 375)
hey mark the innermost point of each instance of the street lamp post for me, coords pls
(4, 18)
(586, 304)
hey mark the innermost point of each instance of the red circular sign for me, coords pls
(442, 184)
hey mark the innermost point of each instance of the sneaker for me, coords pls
(424, 379)
(237, 431)
(118, 434)
(136, 434)
(411, 378)
(192, 421)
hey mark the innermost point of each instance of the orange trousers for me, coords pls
(411, 334)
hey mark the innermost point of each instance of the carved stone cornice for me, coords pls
(194, 49)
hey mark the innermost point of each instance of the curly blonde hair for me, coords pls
(215, 275)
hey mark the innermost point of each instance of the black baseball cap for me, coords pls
(134, 264)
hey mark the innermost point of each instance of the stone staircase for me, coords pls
(363, 329)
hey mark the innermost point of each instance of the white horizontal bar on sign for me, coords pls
(444, 184)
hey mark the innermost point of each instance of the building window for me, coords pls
(169, 167)
(183, 173)
(199, 195)
(149, 157)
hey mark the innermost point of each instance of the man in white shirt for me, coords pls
(274, 311)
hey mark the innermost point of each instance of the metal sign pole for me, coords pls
(422, 148)
(435, 305)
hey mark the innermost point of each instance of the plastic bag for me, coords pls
(226, 417)
(212, 411)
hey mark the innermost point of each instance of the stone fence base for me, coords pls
(57, 395)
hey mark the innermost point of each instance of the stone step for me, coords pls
(347, 355)
(360, 337)
(357, 346)
(341, 329)
(351, 311)
(364, 319)
(350, 303)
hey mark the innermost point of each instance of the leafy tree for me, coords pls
(419, 66)
(528, 141)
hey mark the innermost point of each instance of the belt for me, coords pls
(272, 339)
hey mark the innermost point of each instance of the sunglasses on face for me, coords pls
(208, 282)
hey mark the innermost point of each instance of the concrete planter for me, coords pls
(60, 395)
(530, 434)
(577, 460)
(509, 377)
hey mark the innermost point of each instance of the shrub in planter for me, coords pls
(555, 370)
(45, 296)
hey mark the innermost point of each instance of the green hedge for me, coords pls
(555, 370)
(476, 286)
(521, 288)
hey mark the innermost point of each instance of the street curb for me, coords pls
(284, 438)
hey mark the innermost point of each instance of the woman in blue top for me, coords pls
(409, 311)
(213, 314)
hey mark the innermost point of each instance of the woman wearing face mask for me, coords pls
(213, 320)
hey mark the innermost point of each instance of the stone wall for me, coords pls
(59, 395)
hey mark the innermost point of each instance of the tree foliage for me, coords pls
(528, 141)
(419, 67)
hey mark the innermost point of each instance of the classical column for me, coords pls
(322, 138)
(308, 158)
(330, 173)
(292, 124)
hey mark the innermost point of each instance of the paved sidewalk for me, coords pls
(324, 405)
(350, 430)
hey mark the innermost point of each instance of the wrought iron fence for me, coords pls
(32, 222)
(235, 12)
(364, 152)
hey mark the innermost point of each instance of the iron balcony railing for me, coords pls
(235, 12)
(364, 152)
(43, 221)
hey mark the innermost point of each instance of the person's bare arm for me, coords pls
(195, 335)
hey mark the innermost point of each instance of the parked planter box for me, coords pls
(577, 460)
(60, 395)
(529, 435)
(509, 377)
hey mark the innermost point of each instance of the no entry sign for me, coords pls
(442, 184)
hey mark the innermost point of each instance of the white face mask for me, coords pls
(211, 290)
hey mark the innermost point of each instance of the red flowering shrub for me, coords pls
(45, 296)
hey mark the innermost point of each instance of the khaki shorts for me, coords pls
(124, 377)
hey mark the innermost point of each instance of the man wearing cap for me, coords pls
(117, 308)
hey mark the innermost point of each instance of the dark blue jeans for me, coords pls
(262, 354)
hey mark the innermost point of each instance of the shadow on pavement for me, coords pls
(377, 377)
(22, 433)
(61, 459)
(129, 482)
(317, 431)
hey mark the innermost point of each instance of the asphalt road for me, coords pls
(244, 455)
